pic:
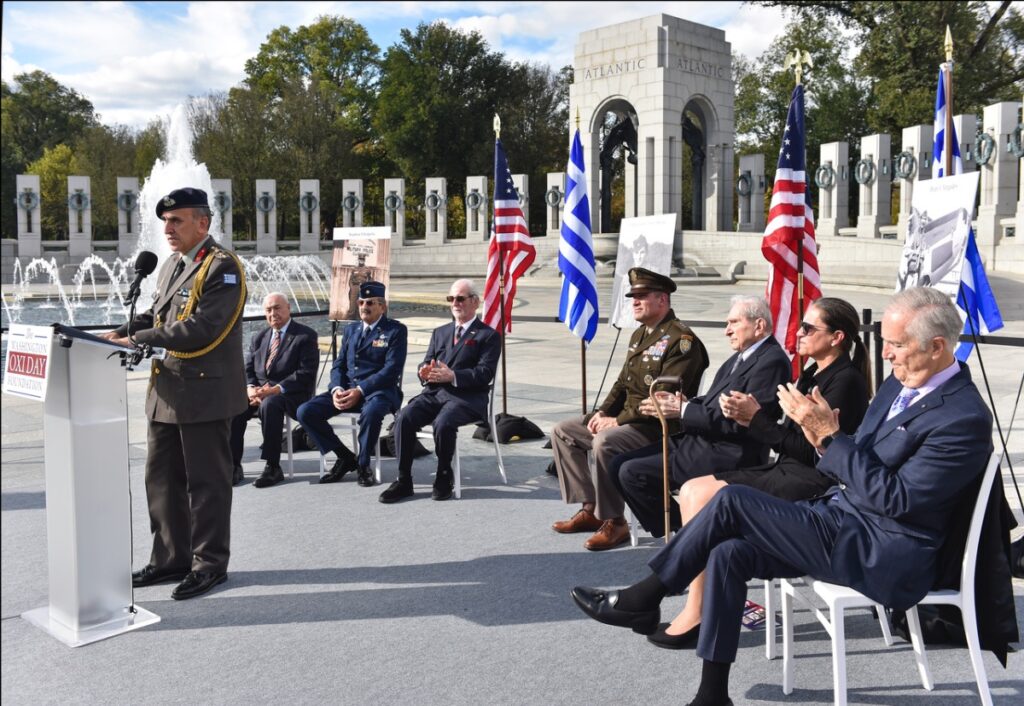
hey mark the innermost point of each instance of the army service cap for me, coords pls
(371, 289)
(187, 197)
(642, 280)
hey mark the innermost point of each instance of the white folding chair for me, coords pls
(840, 598)
(350, 420)
(428, 433)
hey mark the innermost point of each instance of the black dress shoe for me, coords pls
(272, 475)
(727, 702)
(687, 640)
(342, 466)
(149, 575)
(443, 485)
(600, 605)
(196, 584)
(238, 475)
(365, 478)
(399, 490)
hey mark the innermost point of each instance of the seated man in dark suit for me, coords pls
(456, 373)
(924, 442)
(707, 442)
(367, 378)
(280, 372)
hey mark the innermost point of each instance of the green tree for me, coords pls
(37, 113)
(105, 153)
(53, 169)
(901, 46)
(439, 89)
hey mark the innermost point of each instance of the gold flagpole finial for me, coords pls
(797, 59)
(497, 125)
(949, 44)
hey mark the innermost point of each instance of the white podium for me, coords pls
(88, 521)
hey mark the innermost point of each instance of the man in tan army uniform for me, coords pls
(662, 345)
(193, 395)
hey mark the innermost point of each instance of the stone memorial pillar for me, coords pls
(394, 210)
(522, 184)
(128, 217)
(435, 210)
(834, 196)
(874, 174)
(79, 216)
(266, 216)
(966, 127)
(309, 215)
(221, 201)
(998, 174)
(29, 201)
(554, 203)
(910, 166)
(477, 210)
(352, 203)
(750, 190)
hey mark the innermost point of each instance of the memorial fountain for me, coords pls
(97, 288)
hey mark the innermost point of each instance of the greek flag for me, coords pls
(976, 302)
(578, 305)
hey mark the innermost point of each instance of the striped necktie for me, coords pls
(275, 343)
(458, 333)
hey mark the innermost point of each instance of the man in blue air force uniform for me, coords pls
(366, 378)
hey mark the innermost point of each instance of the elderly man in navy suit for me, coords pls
(456, 373)
(280, 372)
(707, 442)
(924, 442)
(366, 378)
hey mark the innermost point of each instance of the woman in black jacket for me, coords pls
(828, 336)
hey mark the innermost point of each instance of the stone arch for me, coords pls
(699, 123)
(614, 128)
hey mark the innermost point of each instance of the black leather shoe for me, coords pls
(365, 478)
(340, 468)
(238, 475)
(399, 490)
(600, 605)
(727, 702)
(149, 575)
(443, 484)
(686, 641)
(196, 584)
(272, 475)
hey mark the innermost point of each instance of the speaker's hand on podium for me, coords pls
(113, 337)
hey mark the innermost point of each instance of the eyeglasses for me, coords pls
(458, 298)
(809, 328)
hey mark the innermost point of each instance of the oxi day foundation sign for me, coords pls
(28, 361)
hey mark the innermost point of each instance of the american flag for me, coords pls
(790, 227)
(975, 299)
(511, 238)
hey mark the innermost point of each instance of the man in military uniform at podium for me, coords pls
(662, 345)
(193, 395)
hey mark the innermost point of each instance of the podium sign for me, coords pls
(27, 362)
(88, 520)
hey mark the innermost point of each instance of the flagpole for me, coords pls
(501, 292)
(948, 79)
(798, 60)
(583, 343)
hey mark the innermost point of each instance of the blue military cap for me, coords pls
(187, 197)
(368, 290)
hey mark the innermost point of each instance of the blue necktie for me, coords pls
(902, 401)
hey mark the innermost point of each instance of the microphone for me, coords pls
(145, 263)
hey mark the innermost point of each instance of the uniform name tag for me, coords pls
(230, 279)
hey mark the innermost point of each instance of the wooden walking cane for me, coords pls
(667, 497)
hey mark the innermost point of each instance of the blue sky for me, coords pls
(137, 60)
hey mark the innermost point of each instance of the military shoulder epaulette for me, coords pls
(680, 325)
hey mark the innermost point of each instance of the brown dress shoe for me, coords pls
(612, 534)
(582, 521)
